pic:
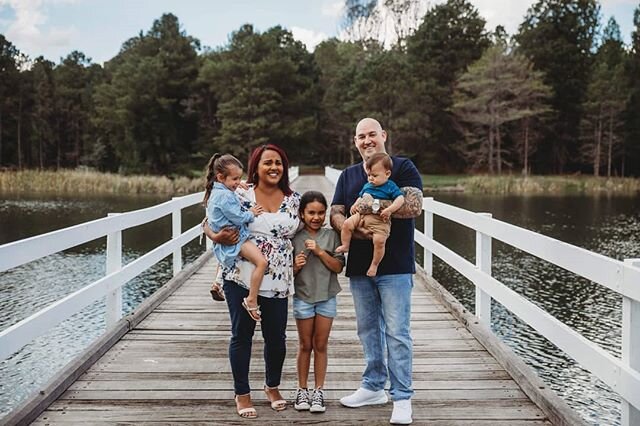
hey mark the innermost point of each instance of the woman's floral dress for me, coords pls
(272, 233)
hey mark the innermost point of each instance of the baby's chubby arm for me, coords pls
(394, 207)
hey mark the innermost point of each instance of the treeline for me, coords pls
(560, 96)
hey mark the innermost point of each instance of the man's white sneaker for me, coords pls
(363, 397)
(401, 414)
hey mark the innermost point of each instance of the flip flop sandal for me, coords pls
(246, 413)
(252, 311)
(216, 293)
(278, 404)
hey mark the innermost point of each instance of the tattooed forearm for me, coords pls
(412, 206)
(337, 217)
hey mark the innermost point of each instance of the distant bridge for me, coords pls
(167, 360)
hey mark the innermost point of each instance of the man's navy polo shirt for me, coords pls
(399, 257)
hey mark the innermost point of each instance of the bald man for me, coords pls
(382, 302)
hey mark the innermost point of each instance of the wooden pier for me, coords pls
(172, 367)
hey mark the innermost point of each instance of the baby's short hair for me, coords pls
(380, 157)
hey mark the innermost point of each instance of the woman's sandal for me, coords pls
(216, 292)
(254, 312)
(278, 404)
(245, 413)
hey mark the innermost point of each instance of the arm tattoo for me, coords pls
(411, 208)
(337, 217)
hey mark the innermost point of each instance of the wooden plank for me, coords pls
(222, 392)
(223, 411)
(553, 406)
(222, 383)
(255, 375)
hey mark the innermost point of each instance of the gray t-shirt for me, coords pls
(315, 283)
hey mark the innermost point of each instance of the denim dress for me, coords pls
(224, 209)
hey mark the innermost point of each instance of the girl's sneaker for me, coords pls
(317, 402)
(302, 399)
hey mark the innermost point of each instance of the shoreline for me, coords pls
(67, 182)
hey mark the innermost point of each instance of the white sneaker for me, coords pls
(363, 397)
(401, 412)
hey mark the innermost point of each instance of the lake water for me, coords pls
(606, 225)
(602, 224)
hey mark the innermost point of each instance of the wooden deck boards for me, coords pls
(173, 368)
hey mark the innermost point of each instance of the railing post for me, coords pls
(208, 242)
(114, 263)
(176, 230)
(631, 346)
(483, 263)
(428, 233)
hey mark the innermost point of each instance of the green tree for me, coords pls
(143, 109)
(605, 102)
(265, 91)
(498, 89)
(338, 64)
(9, 76)
(72, 107)
(451, 37)
(558, 36)
(43, 112)
(631, 115)
(384, 88)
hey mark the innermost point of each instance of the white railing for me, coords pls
(294, 172)
(622, 375)
(23, 251)
(20, 252)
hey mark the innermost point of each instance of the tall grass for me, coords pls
(549, 185)
(91, 182)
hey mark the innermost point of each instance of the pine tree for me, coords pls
(605, 103)
(451, 37)
(499, 88)
(558, 37)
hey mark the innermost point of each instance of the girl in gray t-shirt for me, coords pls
(316, 267)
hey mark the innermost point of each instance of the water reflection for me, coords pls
(605, 225)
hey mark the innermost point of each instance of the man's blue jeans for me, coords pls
(383, 313)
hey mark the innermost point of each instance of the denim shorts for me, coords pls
(304, 310)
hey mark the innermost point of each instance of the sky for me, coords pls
(54, 28)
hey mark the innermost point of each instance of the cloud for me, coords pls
(333, 9)
(509, 14)
(310, 38)
(27, 30)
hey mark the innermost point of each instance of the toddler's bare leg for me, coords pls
(378, 253)
(348, 227)
(252, 253)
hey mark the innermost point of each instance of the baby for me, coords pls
(378, 168)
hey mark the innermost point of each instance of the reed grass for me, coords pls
(550, 185)
(91, 182)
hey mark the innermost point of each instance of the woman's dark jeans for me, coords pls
(273, 325)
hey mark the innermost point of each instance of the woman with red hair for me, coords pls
(268, 179)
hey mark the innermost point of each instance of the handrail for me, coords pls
(20, 252)
(23, 251)
(621, 374)
(27, 250)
